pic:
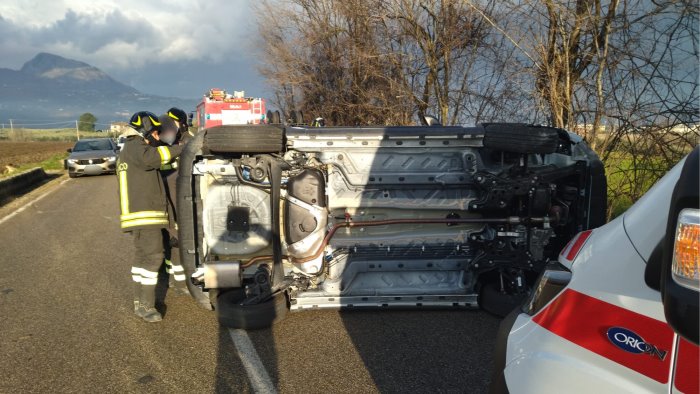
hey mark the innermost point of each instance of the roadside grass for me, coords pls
(629, 178)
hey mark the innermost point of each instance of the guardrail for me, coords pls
(17, 184)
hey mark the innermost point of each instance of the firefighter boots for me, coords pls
(147, 305)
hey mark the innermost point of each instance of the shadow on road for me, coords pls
(424, 351)
(230, 376)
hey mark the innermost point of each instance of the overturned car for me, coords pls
(273, 219)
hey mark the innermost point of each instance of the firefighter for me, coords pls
(143, 205)
(318, 122)
(169, 134)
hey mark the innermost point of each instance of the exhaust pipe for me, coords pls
(219, 275)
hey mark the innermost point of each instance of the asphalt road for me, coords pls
(66, 323)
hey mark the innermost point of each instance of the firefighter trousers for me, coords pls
(172, 258)
(148, 243)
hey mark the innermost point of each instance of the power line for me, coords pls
(66, 123)
(41, 124)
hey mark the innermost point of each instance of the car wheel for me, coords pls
(520, 138)
(297, 117)
(496, 302)
(273, 117)
(72, 175)
(249, 317)
(244, 139)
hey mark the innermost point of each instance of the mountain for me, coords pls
(55, 89)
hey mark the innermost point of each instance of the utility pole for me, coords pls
(12, 129)
(77, 133)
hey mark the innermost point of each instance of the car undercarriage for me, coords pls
(275, 218)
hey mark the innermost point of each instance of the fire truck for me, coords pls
(220, 108)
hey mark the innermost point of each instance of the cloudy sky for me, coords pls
(175, 48)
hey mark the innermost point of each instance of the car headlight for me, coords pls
(551, 282)
(70, 161)
(109, 158)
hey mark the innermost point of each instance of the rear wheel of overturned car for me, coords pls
(244, 139)
(232, 314)
(520, 138)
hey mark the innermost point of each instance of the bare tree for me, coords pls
(382, 61)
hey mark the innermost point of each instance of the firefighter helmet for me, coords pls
(144, 122)
(178, 114)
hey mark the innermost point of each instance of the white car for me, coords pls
(120, 141)
(619, 313)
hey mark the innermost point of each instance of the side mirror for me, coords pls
(118, 148)
(69, 150)
(680, 278)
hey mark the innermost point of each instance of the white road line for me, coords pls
(25, 206)
(257, 374)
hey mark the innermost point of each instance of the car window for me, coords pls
(82, 146)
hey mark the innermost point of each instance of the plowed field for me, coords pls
(21, 153)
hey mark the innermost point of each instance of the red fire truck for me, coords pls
(220, 108)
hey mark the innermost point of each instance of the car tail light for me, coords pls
(574, 246)
(684, 265)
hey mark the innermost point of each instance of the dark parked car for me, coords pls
(279, 218)
(92, 157)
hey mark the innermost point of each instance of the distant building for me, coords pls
(118, 128)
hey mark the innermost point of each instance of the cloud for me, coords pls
(89, 33)
(138, 40)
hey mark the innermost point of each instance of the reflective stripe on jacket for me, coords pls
(168, 173)
(142, 199)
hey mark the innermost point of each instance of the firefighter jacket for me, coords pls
(142, 197)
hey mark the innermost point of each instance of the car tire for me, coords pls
(297, 117)
(72, 175)
(249, 317)
(273, 117)
(520, 138)
(244, 139)
(495, 302)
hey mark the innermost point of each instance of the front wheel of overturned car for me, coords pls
(520, 138)
(232, 314)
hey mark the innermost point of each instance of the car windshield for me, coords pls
(82, 146)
